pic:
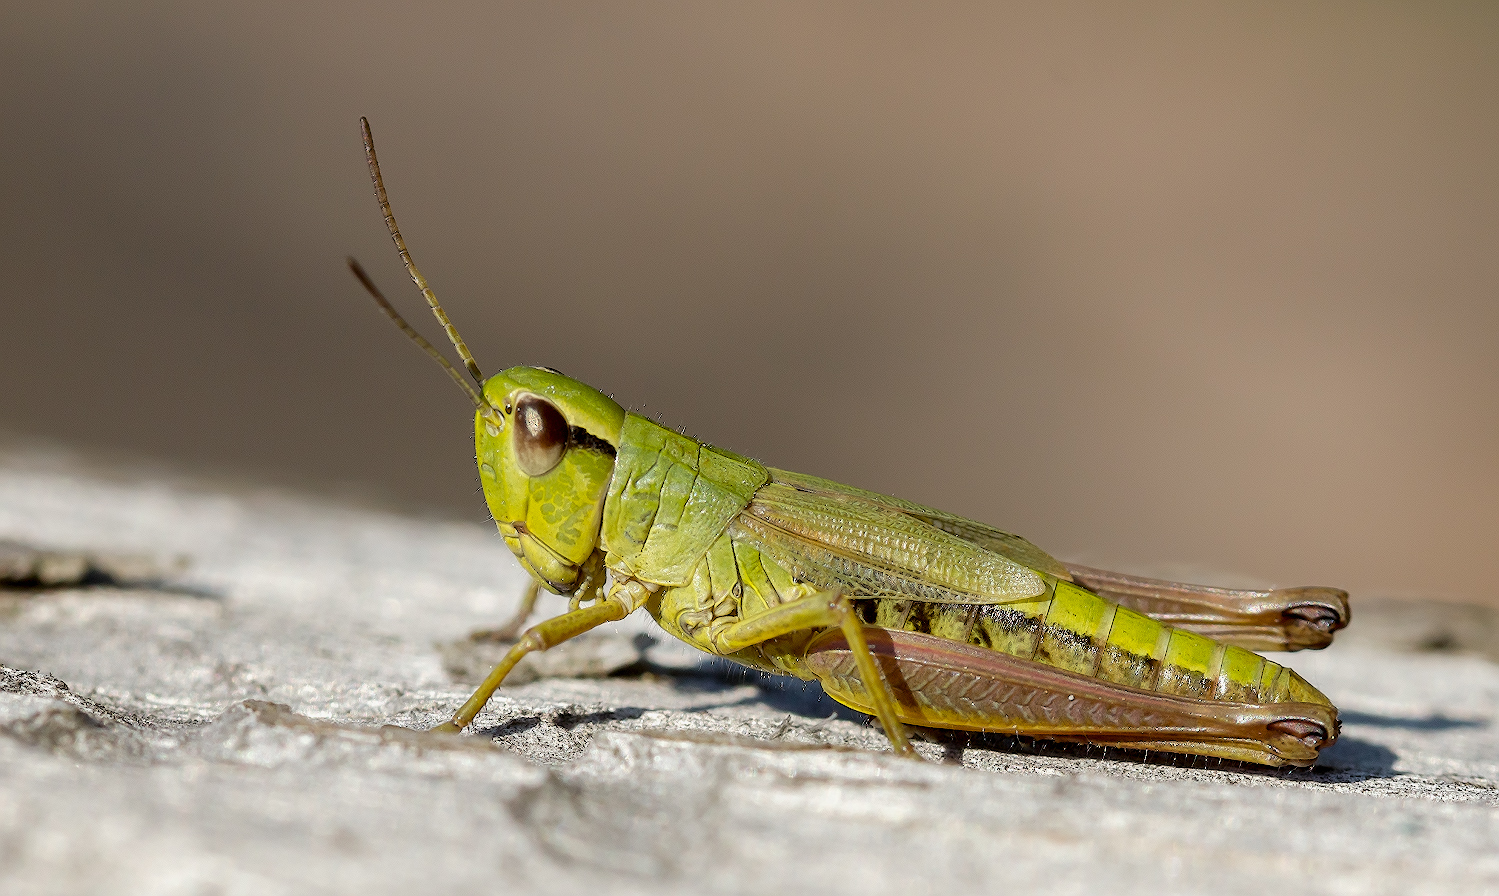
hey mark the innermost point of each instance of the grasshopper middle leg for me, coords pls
(820, 610)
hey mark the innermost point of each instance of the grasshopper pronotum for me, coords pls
(915, 616)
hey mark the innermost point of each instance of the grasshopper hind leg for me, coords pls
(945, 684)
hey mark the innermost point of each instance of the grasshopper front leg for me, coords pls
(539, 637)
(822, 610)
(621, 602)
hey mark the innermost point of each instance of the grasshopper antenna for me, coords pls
(416, 337)
(416, 276)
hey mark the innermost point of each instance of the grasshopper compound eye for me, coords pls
(540, 435)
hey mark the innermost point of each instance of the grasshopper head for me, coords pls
(545, 445)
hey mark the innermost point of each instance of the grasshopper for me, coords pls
(912, 615)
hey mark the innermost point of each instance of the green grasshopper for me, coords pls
(912, 615)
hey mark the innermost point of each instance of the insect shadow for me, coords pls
(1353, 759)
(1436, 722)
(563, 719)
(781, 693)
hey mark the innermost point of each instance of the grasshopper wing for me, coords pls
(945, 684)
(1006, 544)
(1280, 619)
(844, 540)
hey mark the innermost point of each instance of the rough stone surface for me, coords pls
(252, 722)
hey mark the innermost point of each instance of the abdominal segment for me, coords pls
(1073, 629)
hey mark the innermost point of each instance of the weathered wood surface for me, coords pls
(221, 727)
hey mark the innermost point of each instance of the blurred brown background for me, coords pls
(1146, 282)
